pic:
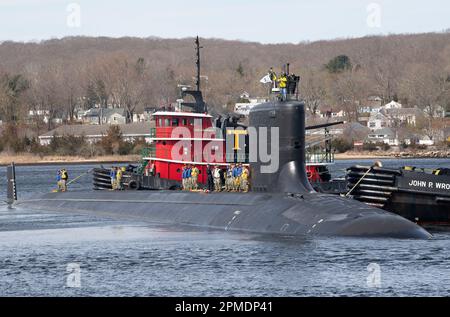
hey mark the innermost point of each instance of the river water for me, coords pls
(63, 254)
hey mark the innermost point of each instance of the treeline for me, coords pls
(62, 75)
(68, 145)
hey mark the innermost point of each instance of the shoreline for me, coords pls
(443, 154)
(27, 159)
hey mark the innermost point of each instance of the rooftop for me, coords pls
(383, 131)
(95, 112)
(404, 111)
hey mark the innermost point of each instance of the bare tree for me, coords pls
(428, 87)
(313, 90)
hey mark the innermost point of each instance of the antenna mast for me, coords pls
(198, 47)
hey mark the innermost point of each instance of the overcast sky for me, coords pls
(263, 21)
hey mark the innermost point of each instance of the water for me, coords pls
(41, 251)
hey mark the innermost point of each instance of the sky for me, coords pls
(285, 21)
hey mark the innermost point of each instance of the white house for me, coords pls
(243, 108)
(332, 114)
(392, 105)
(105, 116)
(38, 113)
(377, 121)
(385, 135)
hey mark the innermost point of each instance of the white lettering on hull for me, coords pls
(424, 184)
(443, 186)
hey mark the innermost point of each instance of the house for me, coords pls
(377, 121)
(403, 116)
(385, 135)
(105, 116)
(392, 105)
(145, 116)
(243, 108)
(42, 115)
(38, 113)
(374, 105)
(94, 133)
(426, 140)
(329, 113)
(374, 102)
(439, 112)
(245, 95)
(435, 111)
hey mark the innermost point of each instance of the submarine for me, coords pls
(280, 202)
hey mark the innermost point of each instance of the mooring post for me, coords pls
(12, 189)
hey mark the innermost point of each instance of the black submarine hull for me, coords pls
(265, 213)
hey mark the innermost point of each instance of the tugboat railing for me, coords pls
(316, 157)
(320, 157)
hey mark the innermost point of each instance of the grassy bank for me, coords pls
(365, 155)
(29, 159)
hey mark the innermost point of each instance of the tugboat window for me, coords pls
(160, 122)
(184, 122)
(167, 122)
(175, 122)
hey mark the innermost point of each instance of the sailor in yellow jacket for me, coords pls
(194, 177)
(244, 179)
(64, 179)
(119, 178)
(282, 83)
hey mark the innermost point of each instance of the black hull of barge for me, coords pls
(410, 194)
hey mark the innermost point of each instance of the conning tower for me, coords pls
(289, 117)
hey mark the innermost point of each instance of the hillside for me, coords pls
(61, 75)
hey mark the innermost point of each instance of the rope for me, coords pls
(360, 180)
(376, 164)
(77, 178)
